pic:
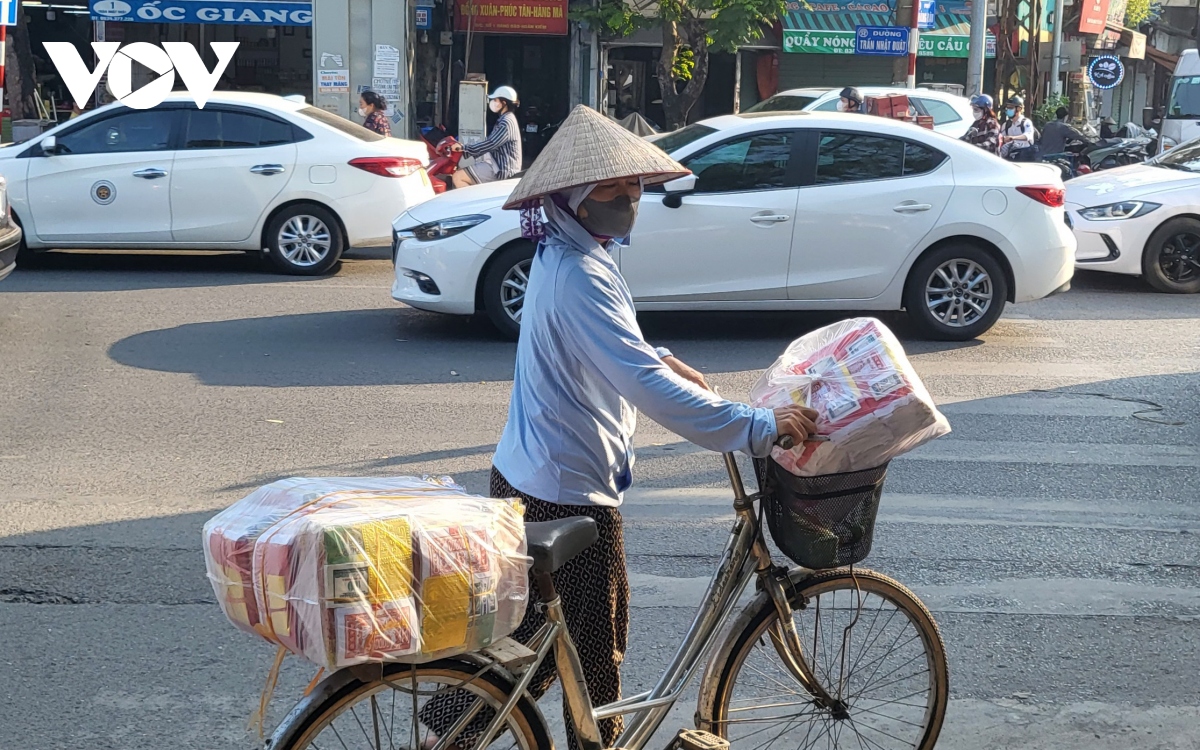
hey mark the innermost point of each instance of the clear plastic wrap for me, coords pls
(872, 404)
(343, 571)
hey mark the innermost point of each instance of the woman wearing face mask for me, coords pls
(985, 131)
(850, 101)
(1017, 138)
(371, 108)
(499, 156)
(583, 369)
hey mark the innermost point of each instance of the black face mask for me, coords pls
(612, 218)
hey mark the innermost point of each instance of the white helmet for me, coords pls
(505, 92)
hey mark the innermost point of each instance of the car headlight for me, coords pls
(1122, 210)
(439, 230)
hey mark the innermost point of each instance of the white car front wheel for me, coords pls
(504, 286)
(1171, 262)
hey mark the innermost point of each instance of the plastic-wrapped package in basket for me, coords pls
(872, 404)
(343, 571)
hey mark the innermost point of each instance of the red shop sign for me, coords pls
(1093, 16)
(515, 16)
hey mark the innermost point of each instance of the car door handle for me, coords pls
(267, 168)
(912, 208)
(769, 218)
(152, 173)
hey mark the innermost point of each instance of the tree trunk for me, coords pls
(677, 103)
(19, 90)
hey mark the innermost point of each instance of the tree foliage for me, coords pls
(1137, 12)
(688, 26)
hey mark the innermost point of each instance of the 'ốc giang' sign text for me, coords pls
(241, 12)
(511, 16)
(843, 43)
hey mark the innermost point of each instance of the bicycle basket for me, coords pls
(821, 522)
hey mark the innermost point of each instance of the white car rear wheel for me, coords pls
(305, 240)
(956, 293)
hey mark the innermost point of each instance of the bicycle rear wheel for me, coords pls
(868, 641)
(347, 713)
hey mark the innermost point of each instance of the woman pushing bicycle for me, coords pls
(583, 369)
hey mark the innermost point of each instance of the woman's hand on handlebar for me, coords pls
(795, 422)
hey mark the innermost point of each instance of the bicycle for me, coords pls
(852, 695)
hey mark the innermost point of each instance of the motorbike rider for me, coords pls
(1056, 133)
(1017, 134)
(850, 101)
(498, 157)
(985, 131)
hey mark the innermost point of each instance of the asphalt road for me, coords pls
(1055, 534)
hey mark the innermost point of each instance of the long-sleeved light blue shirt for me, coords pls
(582, 371)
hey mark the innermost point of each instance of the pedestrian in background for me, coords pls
(371, 108)
(985, 131)
(1056, 134)
(1018, 135)
(850, 101)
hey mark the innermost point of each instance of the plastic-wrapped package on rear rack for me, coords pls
(342, 571)
(822, 497)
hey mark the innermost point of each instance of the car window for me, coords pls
(143, 130)
(782, 103)
(1185, 97)
(919, 159)
(855, 157)
(941, 112)
(671, 142)
(828, 106)
(341, 124)
(208, 128)
(757, 162)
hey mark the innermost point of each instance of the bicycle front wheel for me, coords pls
(395, 710)
(868, 641)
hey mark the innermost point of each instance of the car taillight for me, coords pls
(1045, 194)
(387, 166)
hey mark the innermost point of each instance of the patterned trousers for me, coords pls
(594, 588)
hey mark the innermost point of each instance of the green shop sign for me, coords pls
(842, 43)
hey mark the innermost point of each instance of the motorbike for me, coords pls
(1085, 157)
(443, 159)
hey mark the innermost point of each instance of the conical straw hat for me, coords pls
(589, 148)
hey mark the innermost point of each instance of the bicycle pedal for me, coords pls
(697, 739)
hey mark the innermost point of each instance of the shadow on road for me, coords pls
(402, 346)
(118, 271)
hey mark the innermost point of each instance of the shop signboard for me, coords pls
(333, 81)
(1093, 16)
(239, 12)
(8, 13)
(843, 43)
(1106, 71)
(511, 16)
(927, 15)
(881, 40)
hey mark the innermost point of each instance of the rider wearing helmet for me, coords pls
(498, 157)
(985, 131)
(850, 101)
(1017, 137)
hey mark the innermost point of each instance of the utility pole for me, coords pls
(975, 50)
(1056, 50)
(914, 39)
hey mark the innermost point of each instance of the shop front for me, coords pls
(819, 46)
(274, 55)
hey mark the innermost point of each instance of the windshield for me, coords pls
(340, 123)
(783, 103)
(1185, 156)
(671, 142)
(1185, 97)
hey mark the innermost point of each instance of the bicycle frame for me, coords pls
(745, 556)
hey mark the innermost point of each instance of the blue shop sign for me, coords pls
(240, 12)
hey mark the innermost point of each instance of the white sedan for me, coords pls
(951, 114)
(248, 172)
(807, 211)
(1141, 220)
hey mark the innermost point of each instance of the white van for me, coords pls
(1182, 121)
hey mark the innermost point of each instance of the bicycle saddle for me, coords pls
(552, 543)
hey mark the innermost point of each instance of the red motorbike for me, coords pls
(443, 159)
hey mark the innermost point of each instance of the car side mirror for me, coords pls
(49, 145)
(677, 188)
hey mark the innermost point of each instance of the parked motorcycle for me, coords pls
(1085, 157)
(443, 159)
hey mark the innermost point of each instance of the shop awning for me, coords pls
(827, 27)
(240, 12)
